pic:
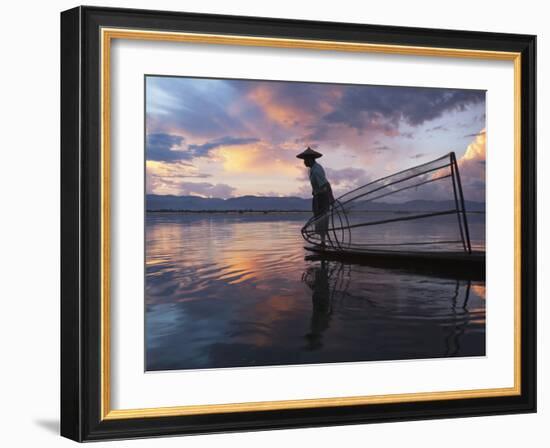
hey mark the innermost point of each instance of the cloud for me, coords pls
(341, 180)
(172, 178)
(476, 150)
(472, 168)
(291, 104)
(182, 187)
(246, 133)
(384, 107)
(380, 148)
(173, 169)
(340, 117)
(206, 189)
(437, 128)
(159, 147)
(259, 158)
(193, 106)
(418, 156)
(204, 149)
(475, 135)
(347, 178)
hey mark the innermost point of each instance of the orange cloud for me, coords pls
(257, 158)
(174, 178)
(472, 168)
(475, 150)
(282, 114)
(165, 177)
(167, 169)
(479, 290)
(472, 163)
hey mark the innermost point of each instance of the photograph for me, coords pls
(273, 223)
(299, 223)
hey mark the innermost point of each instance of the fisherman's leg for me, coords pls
(324, 205)
(316, 213)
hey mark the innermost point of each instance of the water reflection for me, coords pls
(329, 282)
(325, 282)
(228, 291)
(457, 329)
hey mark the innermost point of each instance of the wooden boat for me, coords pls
(448, 263)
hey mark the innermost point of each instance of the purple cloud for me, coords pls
(364, 106)
(159, 146)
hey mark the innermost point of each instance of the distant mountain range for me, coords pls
(270, 203)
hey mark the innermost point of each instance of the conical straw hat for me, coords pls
(309, 153)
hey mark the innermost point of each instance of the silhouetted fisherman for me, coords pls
(321, 190)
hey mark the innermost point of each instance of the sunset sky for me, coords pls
(223, 138)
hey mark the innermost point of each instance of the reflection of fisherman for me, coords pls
(322, 191)
(320, 316)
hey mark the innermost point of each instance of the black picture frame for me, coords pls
(81, 209)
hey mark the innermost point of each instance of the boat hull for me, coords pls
(446, 263)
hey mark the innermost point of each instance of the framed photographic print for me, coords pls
(273, 223)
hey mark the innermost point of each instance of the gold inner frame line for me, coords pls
(107, 35)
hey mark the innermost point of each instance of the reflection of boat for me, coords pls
(334, 294)
(372, 223)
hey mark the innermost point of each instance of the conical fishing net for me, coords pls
(420, 208)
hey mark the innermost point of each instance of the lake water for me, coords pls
(234, 290)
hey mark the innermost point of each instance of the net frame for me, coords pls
(337, 220)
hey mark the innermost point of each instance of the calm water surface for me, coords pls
(228, 290)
